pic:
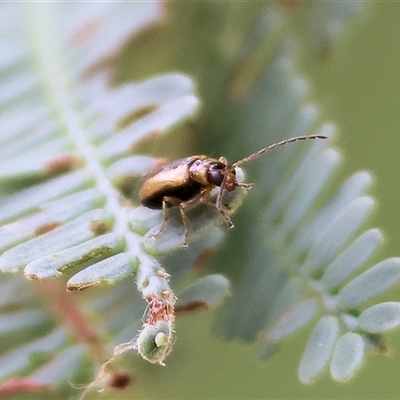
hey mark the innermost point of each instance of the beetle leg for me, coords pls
(218, 206)
(185, 219)
(167, 201)
(174, 201)
(186, 222)
(202, 197)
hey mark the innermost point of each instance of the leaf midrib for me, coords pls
(58, 85)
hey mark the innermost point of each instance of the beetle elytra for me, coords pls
(190, 180)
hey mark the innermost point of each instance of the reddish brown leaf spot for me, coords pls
(148, 138)
(46, 228)
(158, 311)
(137, 114)
(98, 228)
(21, 385)
(62, 164)
(120, 380)
(80, 287)
(379, 343)
(202, 259)
(193, 306)
(161, 273)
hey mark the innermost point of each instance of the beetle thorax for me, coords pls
(198, 171)
(209, 171)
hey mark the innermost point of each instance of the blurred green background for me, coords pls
(356, 87)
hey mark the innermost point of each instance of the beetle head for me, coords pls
(222, 174)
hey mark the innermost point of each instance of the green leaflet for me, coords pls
(302, 253)
(67, 147)
(319, 348)
(347, 357)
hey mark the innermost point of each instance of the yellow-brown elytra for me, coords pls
(190, 180)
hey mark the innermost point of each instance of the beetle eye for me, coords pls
(215, 175)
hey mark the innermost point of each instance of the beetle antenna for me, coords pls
(274, 145)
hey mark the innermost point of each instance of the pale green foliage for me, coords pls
(311, 268)
(68, 152)
(67, 143)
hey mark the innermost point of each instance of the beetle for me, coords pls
(190, 180)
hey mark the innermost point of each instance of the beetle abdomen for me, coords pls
(173, 181)
(183, 193)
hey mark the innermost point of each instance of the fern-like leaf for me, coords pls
(67, 145)
(312, 266)
(65, 207)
